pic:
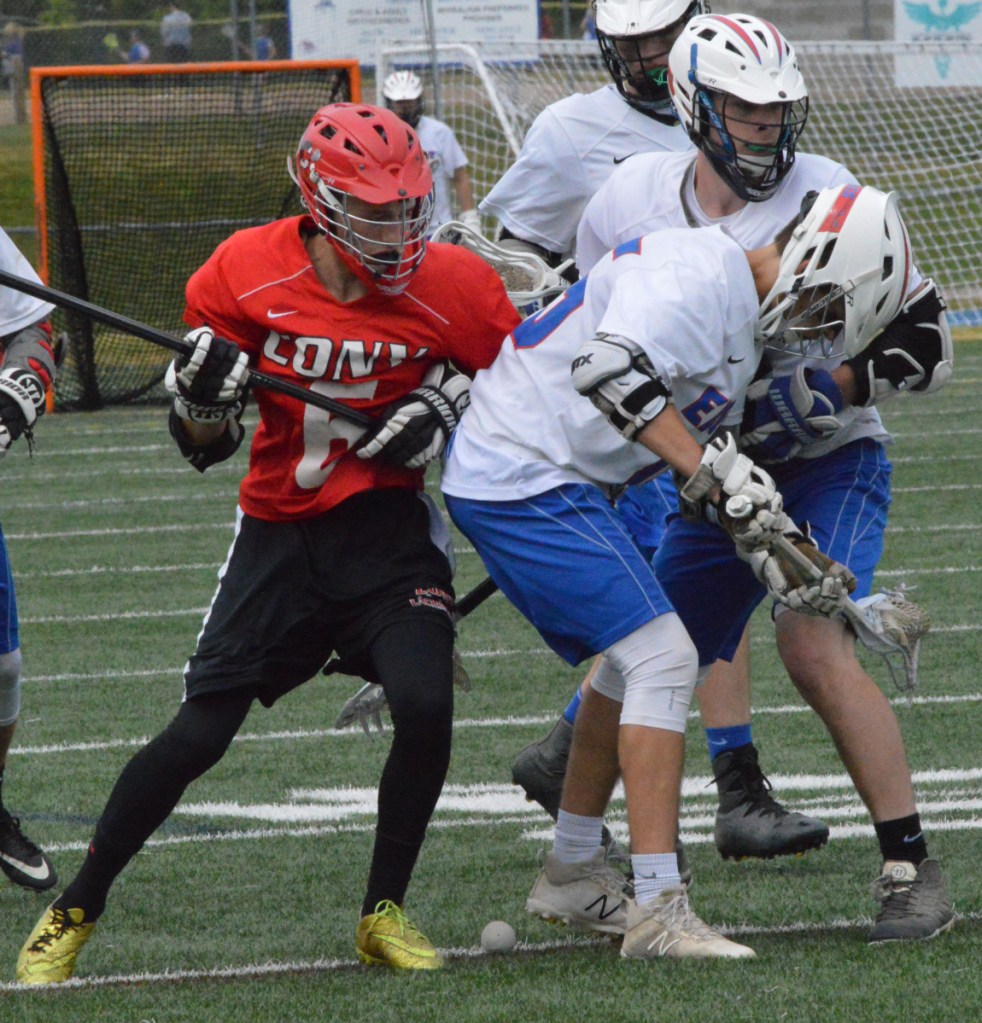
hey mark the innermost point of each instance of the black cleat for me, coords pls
(21, 860)
(750, 822)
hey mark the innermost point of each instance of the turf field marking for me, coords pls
(303, 966)
(527, 721)
(198, 566)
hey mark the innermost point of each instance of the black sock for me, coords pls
(902, 839)
(392, 866)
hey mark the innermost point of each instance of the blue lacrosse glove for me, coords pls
(784, 414)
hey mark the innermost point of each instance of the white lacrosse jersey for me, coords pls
(656, 191)
(573, 146)
(18, 310)
(687, 298)
(445, 156)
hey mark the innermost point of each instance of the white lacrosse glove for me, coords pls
(414, 430)
(751, 508)
(21, 402)
(617, 377)
(209, 383)
(799, 576)
(471, 219)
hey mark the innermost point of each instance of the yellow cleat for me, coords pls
(48, 955)
(388, 937)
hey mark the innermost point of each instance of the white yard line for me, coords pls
(305, 966)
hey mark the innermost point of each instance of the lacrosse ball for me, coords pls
(498, 936)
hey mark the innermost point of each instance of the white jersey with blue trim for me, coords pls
(687, 298)
(573, 146)
(656, 191)
(18, 310)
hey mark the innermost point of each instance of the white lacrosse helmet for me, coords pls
(642, 83)
(403, 93)
(721, 57)
(846, 268)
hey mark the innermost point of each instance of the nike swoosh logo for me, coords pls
(912, 838)
(621, 159)
(730, 358)
(41, 873)
(276, 316)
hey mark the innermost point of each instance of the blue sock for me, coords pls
(572, 707)
(719, 740)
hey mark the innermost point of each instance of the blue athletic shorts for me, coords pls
(9, 628)
(647, 509)
(567, 561)
(843, 495)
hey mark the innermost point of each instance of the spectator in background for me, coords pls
(588, 26)
(12, 51)
(139, 52)
(403, 92)
(175, 33)
(265, 47)
(545, 23)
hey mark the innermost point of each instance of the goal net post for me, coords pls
(868, 112)
(140, 172)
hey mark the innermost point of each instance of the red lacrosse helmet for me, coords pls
(353, 150)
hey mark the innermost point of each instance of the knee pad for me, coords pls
(9, 687)
(659, 664)
(608, 681)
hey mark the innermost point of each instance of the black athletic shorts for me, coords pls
(292, 593)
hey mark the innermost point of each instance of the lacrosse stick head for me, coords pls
(353, 151)
(529, 280)
(893, 627)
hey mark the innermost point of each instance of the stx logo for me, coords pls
(583, 360)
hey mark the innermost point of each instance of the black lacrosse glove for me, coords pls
(210, 381)
(414, 429)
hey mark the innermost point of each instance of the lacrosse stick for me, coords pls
(887, 623)
(158, 337)
(528, 278)
(366, 706)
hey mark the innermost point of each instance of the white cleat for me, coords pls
(667, 928)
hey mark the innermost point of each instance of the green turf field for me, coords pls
(244, 905)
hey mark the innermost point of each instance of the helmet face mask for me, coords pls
(635, 37)
(752, 149)
(736, 87)
(403, 92)
(843, 276)
(366, 184)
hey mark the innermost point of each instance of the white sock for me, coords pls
(576, 838)
(653, 873)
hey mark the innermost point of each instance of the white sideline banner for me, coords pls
(355, 29)
(939, 21)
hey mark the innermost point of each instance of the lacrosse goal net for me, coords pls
(924, 142)
(140, 172)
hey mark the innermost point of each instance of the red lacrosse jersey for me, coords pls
(259, 290)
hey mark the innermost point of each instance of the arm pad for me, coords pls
(31, 349)
(617, 377)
